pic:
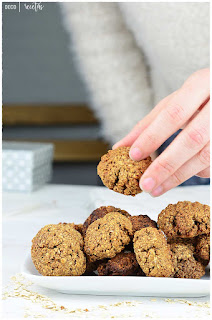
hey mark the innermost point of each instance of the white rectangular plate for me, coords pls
(120, 285)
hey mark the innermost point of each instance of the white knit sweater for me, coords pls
(133, 54)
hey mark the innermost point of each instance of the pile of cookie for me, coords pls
(111, 242)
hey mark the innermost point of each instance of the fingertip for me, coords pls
(157, 192)
(116, 145)
(147, 184)
(135, 154)
(153, 196)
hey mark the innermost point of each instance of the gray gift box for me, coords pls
(26, 166)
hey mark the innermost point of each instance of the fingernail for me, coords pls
(148, 184)
(115, 146)
(135, 154)
(157, 192)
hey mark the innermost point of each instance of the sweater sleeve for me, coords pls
(111, 64)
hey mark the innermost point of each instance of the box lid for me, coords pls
(26, 154)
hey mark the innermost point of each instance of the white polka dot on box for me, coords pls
(26, 166)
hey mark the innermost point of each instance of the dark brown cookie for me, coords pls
(142, 221)
(79, 227)
(185, 219)
(123, 264)
(91, 266)
(129, 247)
(100, 213)
(120, 173)
(153, 253)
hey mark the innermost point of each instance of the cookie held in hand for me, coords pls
(120, 173)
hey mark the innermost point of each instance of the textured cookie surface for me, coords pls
(203, 248)
(185, 219)
(100, 213)
(153, 253)
(191, 242)
(142, 221)
(57, 251)
(123, 264)
(185, 265)
(121, 174)
(107, 236)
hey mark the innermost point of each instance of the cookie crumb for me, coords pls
(205, 304)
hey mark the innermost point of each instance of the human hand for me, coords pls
(188, 108)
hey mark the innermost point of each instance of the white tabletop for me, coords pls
(25, 214)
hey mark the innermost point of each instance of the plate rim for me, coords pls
(28, 259)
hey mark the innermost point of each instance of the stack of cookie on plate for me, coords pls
(111, 242)
(187, 227)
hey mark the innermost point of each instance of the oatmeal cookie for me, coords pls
(57, 250)
(142, 221)
(123, 264)
(153, 253)
(100, 213)
(185, 219)
(202, 252)
(107, 236)
(121, 174)
(190, 269)
(78, 227)
(185, 265)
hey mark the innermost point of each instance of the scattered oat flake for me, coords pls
(102, 307)
(116, 304)
(21, 290)
(190, 303)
